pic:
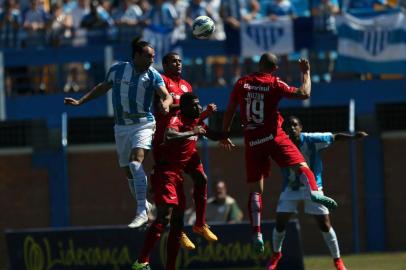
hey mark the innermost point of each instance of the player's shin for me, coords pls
(332, 243)
(255, 211)
(141, 185)
(131, 185)
(200, 198)
(153, 235)
(172, 248)
(277, 240)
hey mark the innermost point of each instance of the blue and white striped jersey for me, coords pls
(133, 93)
(310, 146)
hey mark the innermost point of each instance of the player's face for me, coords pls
(144, 59)
(173, 66)
(193, 109)
(293, 128)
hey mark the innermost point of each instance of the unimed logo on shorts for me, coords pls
(261, 140)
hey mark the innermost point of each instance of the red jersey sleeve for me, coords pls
(285, 89)
(174, 123)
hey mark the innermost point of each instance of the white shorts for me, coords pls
(289, 200)
(130, 137)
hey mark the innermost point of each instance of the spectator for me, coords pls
(275, 10)
(60, 26)
(180, 6)
(10, 22)
(323, 12)
(96, 18)
(280, 8)
(35, 18)
(214, 8)
(220, 208)
(162, 16)
(127, 14)
(233, 12)
(79, 11)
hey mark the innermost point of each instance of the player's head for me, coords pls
(268, 63)
(293, 127)
(190, 105)
(142, 54)
(172, 64)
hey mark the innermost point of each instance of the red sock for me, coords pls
(255, 210)
(200, 198)
(153, 235)
(306, 172)
(172, 248)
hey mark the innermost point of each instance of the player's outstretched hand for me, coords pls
(227, 144)
(71, 101)
(211, 108)
(360, 135)
(199, 130)
(165, 109)
(304, 65)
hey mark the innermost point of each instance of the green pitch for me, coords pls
(369, 261)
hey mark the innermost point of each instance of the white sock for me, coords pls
(331, 241)
(141, 185)
(277, 240)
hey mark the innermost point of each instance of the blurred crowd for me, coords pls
(27, 20)
(28, 23)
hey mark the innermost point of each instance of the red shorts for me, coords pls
(258, 155)
(194, 164)
(167, 187)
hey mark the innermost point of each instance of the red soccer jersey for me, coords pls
(176, 87)
(258, 95)
(177, 153)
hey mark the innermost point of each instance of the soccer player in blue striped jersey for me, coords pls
(310, 144)
(134, 85)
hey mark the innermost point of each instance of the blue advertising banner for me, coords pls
(115, 248)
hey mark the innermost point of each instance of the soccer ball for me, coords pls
(203, 27)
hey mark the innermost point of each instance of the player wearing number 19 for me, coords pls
(258, 95)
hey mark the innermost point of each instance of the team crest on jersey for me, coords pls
(184, 88)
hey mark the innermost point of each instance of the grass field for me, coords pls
(370, 261)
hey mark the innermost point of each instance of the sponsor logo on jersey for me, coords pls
(256, 87)
(261, 140)
(184, 88)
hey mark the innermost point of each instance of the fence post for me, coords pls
(354, 188)
(2, 89)
(108, 62)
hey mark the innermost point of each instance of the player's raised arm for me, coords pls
(211, 108)
(172, 134)
(342, 136)
(95, 92)
(304, 91)
(166, 98)
(227, 121)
